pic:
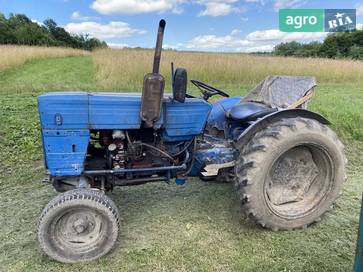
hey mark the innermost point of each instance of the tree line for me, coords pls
(335, 45)
(19, 29)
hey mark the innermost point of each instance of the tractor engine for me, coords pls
(115, 149)
(132, 149)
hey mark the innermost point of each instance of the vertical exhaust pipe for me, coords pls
(153, 88)
(159, 46)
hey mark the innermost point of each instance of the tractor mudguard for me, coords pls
(260, 124)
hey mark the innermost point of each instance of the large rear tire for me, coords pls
(78, 226)
(290, 173)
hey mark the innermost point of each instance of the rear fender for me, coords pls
(248, 133)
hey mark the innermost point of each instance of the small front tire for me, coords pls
(78, 226)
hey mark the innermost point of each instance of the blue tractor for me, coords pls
(286, 164)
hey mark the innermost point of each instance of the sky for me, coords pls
(202, 25)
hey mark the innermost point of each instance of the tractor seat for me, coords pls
(248, 111)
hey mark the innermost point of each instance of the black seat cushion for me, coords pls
(248, 111)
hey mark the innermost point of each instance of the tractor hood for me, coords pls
(82, 110)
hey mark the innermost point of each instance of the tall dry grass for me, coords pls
(124, 69)
(13, 55)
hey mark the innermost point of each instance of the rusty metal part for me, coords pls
(153, 88)
(158, 47)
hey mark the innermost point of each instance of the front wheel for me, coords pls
(77, 226)
(290, 173)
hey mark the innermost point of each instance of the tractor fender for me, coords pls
(260, 124)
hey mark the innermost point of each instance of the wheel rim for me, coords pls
(79, 231)
(298, 181)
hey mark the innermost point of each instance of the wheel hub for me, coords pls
(292, 176)
(298, 181)
(80, 225)
(80, 228)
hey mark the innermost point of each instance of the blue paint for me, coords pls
(249, 111)
(80, 110)
(215, 155)
(358, 264)
(236, 129)
(180, 181)
(217, 116)
(71, 107)
(185, 120)
(67, 118)
(114, 111)
(65, 151)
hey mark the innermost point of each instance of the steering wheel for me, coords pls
(207, 90)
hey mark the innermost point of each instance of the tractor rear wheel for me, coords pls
(77, 226)
(290, 173)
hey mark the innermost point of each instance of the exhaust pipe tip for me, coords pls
(158, 47)
(162, 23)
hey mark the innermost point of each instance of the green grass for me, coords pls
(37, 76)
(197, 227)
(19, 88)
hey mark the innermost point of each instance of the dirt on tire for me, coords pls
(78, 226)
(290, 173)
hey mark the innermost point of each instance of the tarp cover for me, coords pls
(280, 91)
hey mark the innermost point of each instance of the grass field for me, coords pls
(222, 69)
(197, 227)
(11, 55)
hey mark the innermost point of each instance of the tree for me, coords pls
(356, 52)
(287, 49)
(19, 29)
(5, 35)
(335, 45)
